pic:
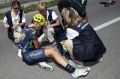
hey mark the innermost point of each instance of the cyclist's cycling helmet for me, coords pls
(39, 18)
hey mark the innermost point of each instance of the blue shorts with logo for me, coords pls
(34, 57)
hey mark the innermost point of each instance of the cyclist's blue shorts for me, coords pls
(34, 57)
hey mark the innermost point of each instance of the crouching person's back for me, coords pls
(84, 43)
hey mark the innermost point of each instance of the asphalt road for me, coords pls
(11, 66)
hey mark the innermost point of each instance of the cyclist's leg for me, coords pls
(75, 72)
(51, 52)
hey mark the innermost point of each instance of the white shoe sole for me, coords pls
(48, 68)
(82, 75)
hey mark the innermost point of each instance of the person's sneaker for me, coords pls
(20, 53)
(83, 67)
(45, 66)
(79, 72)
(79, 66)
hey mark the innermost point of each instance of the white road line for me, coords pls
(107, 24)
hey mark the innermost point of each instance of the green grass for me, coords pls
(33, 7)
(51, 3)
(30, 8)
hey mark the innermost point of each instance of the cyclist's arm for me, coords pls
(36, 44)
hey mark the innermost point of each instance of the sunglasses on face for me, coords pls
(16, 8)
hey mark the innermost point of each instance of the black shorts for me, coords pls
(34, 57)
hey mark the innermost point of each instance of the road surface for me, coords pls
(11, 66)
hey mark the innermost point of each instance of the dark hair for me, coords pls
(15, 2)
(63, 4)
